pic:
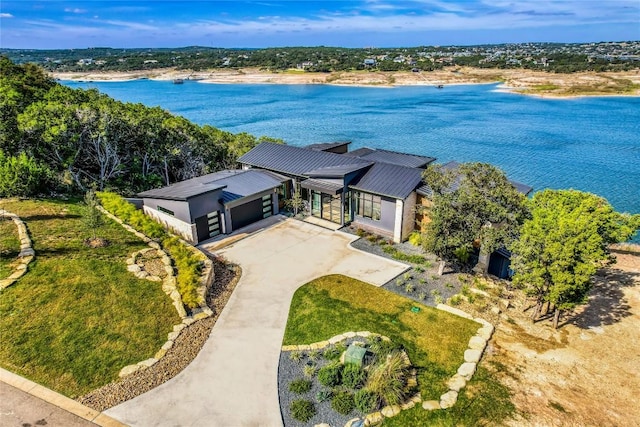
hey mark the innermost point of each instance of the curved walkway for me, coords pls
(233, 381)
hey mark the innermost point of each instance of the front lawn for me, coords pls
(9, 246)
(78, 316)
(434, 340)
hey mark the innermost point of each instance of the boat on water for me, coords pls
(178, 81)
(440, 86)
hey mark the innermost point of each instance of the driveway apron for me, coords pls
(233, 380)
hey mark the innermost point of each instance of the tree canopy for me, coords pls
(563, 244)
(473, 204)
(87, 138)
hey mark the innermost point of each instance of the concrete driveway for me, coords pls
(234, 379)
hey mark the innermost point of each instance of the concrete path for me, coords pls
(24, 403)
(233, 380)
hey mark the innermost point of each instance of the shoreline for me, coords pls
(522, 82)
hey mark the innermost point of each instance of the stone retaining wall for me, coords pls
(169, 287)
(26, 255)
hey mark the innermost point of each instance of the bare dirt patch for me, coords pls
(587, 372)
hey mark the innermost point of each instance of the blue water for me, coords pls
(591, 144)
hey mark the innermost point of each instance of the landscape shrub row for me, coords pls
(187, 263)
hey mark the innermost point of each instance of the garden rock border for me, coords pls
(472, 356)
(390, 411)
(169, 287)
(26, 255)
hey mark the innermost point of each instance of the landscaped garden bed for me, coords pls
(421, 282)
(434, 341)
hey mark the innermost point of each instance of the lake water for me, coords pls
(591, 144)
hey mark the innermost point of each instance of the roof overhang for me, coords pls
(327, 186)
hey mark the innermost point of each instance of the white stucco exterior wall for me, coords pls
(186, 231)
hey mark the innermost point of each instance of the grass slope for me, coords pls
(9, 246)
(435, 340)
(78, 316)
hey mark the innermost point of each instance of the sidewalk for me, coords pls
(25, 403)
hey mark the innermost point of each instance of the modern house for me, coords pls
(372, 189)
(376, 190)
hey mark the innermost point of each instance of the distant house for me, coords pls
(369, 62)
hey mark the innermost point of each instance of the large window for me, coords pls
(367, 205)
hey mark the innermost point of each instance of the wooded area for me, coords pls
(73, 139)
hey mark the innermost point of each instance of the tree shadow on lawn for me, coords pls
(33, 218)
(607, 302)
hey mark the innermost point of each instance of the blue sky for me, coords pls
(47, 24)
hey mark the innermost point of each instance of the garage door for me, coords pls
(251, 212)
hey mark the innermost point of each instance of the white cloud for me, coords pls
(6, 15)
(75, 10)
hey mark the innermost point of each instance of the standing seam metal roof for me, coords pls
(392, 157)
(234, 184)
(389, 180)
(296, 160)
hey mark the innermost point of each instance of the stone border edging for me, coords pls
(26, 255)
(169, 287)
(57, 399)
(389, 411)
(472, 356)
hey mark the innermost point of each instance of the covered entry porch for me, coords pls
(328, 200)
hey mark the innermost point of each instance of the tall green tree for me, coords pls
(474, 204)
(563, 244)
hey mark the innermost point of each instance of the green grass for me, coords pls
(9, 246)
(485, 401)
(434, 340)
(78, 316)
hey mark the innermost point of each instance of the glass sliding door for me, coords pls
(316, 206)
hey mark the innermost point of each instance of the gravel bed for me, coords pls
(290, 370)
(425, 287)
(186, 347)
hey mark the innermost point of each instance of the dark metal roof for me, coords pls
(323, 146)
(393, 157)
(234, 184)
(329, 186)
(247, 183)
(184, 190)
(295, 160)
(334, 171)
(389, 180)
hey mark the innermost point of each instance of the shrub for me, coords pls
(415, 238)
(296, 356)
(388, 379)
(324, 395)
(300, 386)
(342, 402)
(22, 176)
(419, 269)
(455, 300)
(309, 370)
(422, 295)
(399, 282)
(365, 400)
(407, 276)
(314, 355)
(302, 410)
(382, 348)
(332, 353)
(330, 375)
(353, 376)
(409, 288)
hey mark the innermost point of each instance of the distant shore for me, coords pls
(526, 82)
